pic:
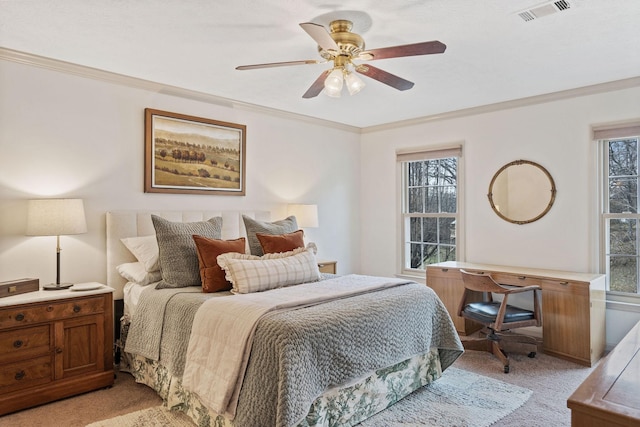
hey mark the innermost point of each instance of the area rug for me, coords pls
(460, 398)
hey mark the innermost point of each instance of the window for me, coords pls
(620, 214)
(430, 207)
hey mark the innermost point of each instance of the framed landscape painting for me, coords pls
(193, 155)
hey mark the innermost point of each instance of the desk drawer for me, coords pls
(24, 374)
(19, 316)
(443, 272)
(22, 343)
(515, 280)
(565, 286)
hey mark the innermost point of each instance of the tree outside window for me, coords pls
(430, 211)
(621, 214)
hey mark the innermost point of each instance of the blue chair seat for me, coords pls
(486, 312)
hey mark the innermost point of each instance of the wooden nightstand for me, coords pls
(328, 267)
(54, 344)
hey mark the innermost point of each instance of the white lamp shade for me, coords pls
(306, 215)
(55, 217)
(354, 83)
(333, 83)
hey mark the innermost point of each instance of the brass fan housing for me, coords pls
(350, 44)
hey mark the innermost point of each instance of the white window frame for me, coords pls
(602, 136)
(428, 153)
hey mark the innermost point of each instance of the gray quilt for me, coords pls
(298, 354)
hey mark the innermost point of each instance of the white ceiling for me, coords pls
(492, 54)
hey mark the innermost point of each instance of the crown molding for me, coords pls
(134, 82)
(516, 103)
(137, 83)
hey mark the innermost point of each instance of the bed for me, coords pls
(331, 352)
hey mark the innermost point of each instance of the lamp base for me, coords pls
(56, 286)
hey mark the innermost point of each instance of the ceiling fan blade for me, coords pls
(278, 64)
(317, 86)
(320, 35)
(424, 48)
(384, 77)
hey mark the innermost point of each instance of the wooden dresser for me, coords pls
(54, 344)
(573, 305)
(609, 396)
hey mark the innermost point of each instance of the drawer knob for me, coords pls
(19, 375)
(445, 269)
(49, 308)
(564, 283)
(522, 277)
(58, 350)
(76, 309)
(19, 317)
(17, 343)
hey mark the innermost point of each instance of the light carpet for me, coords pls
(460, 398)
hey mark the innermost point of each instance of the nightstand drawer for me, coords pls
(18, 316)
(327, 267)
(24, 374)
(19, 344)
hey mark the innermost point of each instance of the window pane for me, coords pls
(416, 255)
(431, 205)
(430, 254)
(447, 253)
(430, 230)
(623, 276)
(623, 157)
(448, 199)
(623, 195)
(447, 231)
(415, 173)
(623, 236)
(433, 172)
(416, 200)
(448, 171)
(415, 229)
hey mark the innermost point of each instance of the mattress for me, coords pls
(132, 293)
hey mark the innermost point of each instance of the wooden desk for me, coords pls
(573, 305)
(609, 396)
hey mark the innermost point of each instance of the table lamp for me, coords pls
(306, 215)
(56, 217)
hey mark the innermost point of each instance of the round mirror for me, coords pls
(521, 192)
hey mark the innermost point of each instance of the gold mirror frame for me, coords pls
(520, 163)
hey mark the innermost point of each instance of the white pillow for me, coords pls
(145, 249)
(250, 273)
(135, 272)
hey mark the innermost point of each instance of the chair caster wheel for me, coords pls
(532, 354)
(506, 369)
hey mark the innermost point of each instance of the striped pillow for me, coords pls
(250, 273)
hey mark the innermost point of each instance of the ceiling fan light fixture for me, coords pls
(354, 83)
(333, 83)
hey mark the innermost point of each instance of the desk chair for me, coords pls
(498, 317)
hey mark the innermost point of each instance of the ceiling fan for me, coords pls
(342, 46)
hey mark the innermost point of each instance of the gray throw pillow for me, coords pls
(177, 257)
(284, 226)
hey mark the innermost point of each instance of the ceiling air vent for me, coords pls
(544, 10)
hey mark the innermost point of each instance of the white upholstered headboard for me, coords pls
(121, 224)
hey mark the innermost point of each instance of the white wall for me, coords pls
(554, 134)
(63, 135)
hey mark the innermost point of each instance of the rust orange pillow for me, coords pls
(276, 243)
(212, 276)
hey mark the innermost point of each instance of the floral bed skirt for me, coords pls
(344, 406)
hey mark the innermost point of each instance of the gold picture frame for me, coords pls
(193, 155)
